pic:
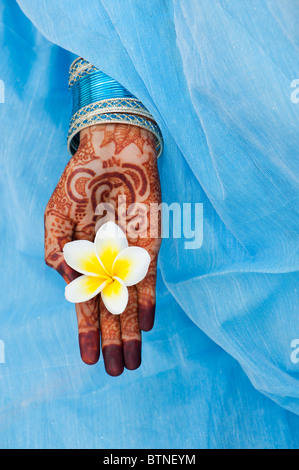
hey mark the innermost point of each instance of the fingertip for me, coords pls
(113, 359)
(89, 343)
(146, 315)
(132, 354)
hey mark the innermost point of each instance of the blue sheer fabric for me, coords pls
(217, 76)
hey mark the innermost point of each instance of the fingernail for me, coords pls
(113, 359)
(89, 343)
(132, 354)
(146, 316)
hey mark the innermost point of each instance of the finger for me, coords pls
(88, 317)
(59, 230)
(89, 330)
(111, 341)
(130, 332)
(146, 290)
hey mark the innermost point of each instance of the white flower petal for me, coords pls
(131, 265)
(81, 256)
(84, 288)
(109, 241)
(115, 296)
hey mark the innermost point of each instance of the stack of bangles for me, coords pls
(98, 98)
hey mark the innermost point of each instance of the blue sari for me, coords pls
(220, 368)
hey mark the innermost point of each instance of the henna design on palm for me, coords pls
(114, 162)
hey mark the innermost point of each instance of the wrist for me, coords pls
(123, 142)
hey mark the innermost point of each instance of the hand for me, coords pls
(115, 163)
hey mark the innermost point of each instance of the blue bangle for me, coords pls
(95, 87)
(98, 98)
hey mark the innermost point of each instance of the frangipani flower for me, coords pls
(108, 266)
